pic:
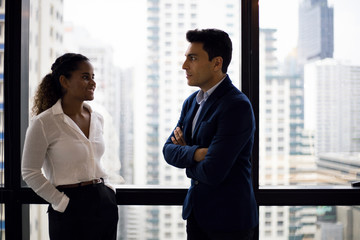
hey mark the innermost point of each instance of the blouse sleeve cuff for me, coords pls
(62, 205)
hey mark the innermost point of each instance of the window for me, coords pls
(296, 56)
(313, 221)
(278, 196)
(133, 79)
(307, 83)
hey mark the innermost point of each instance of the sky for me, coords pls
(121, 23)
(283, 15)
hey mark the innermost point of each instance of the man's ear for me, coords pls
(218, 62)
(63, 82)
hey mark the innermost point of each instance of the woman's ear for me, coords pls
(63, 82)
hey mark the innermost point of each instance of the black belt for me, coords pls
(82, 184)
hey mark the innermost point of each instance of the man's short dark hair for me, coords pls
(215, 42)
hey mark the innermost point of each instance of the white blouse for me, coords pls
(56, 152)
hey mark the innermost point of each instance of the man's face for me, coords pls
(199, 70)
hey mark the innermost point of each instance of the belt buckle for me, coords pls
(96, 181)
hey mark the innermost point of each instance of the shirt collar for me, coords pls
(57, 108)
(203, 96)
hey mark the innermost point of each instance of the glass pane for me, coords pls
(39, 228)
(151, 222)
(137, 49)
(276, 222)
(309, 222)
(309, 92)
(135, 222)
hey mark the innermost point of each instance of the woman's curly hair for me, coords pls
(50, 90)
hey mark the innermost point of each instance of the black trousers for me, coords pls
(195, 232)
(92, 214)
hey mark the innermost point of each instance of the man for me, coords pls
(213, 141)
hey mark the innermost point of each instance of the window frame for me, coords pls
(16, 198)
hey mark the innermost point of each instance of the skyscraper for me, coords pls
(316, 30)
(274, 135)
(332, 105)
(315, 42)
(166, 89)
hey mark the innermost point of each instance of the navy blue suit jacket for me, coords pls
(221, 194)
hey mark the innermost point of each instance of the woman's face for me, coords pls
(81, 84)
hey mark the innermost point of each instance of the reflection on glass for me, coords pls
(309, 222)
(309, 92)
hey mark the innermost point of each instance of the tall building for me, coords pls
(45, 39)
(316, 30)
(332, 105)
(315, 42)
(128, 217)
(274, 136)
(299, 144)
(166, 89)
(330, 110)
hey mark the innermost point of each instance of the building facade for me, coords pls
(166, 89)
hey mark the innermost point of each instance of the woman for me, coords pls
(65, 140)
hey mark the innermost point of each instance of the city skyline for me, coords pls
(278, 105)
(271, 15)
(345, 14)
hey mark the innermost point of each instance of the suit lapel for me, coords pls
(222, 89)
(211, 100)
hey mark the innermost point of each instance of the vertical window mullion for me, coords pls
(250, 70)
(15, 114)
(250, 75)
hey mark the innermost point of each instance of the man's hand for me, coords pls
(200, 154)
(179, 137)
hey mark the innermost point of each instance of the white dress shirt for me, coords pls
(56, 152)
